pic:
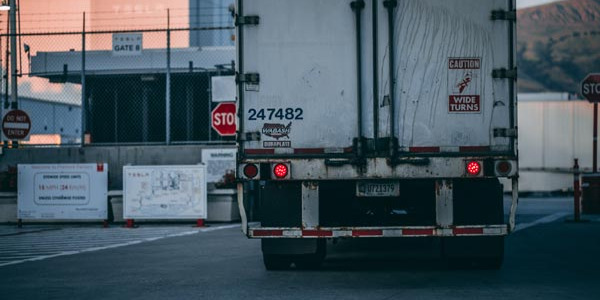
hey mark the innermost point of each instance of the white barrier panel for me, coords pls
(62, 191)
(164, 192)
(551, 135)
(218, 163)
(223, 89)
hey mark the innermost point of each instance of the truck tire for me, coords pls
(274, 262)
(306, 254)
(473, 252)
(312, 261)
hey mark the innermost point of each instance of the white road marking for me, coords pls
(43, 247)
(544, 220)
(209, 229)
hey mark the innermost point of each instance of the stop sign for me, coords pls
(16, 125)
(224, 118)
(590, 88)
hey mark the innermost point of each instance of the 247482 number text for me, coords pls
(275, 114)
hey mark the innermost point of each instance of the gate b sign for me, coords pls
(590, 87)
(224, 119)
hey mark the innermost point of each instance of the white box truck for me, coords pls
(376, 119)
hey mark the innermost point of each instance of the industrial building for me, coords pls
(52, 122)
(126, 93)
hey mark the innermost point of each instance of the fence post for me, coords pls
(210, 105)
(2, 108)
(576, 192)
(14, 85)
(14, 98)
(7, 74)
(83, 90)
(168, 81)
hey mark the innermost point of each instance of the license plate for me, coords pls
(377, 189)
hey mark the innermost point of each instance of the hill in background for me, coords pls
(557, 45)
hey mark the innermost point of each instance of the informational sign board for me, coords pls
(223, 89)
(127, 44)
(218, 162)
(224, 120)
(464, 85)
(16, 125)
(590, 88)
(62, 191)
(164, 192)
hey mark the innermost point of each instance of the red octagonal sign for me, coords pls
(16, 125)
(224, 118)
(590, 88)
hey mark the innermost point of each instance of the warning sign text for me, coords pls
(464, 63)
(464, 104)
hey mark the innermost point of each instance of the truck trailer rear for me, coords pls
(376, 119)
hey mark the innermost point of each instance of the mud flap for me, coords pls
(476, 202)
(279, 254)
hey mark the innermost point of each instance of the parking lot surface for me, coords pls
(546, 258)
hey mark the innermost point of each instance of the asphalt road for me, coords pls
(546, 259)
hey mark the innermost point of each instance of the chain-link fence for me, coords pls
(149, 86)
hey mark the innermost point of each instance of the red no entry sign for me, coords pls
(16, 125)
(590, 88)
(224, 119)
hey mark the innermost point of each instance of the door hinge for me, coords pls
(357, 5)
(505, 73)
(247, 20)
(250, 78)
(504, 15)
(390, 3)
(505, 132)
(250, 137)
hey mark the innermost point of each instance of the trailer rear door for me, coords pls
(441, 98)
(445, 54)
(304, 54)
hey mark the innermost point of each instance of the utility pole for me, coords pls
(83, 90)
(13, 54)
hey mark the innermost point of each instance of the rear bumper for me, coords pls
(310, 225)
(381, 168)
(255, 231)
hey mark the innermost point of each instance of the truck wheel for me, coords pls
(308, 262)
(475, 263)
(275, 262)
(312, 261)
(473, 252)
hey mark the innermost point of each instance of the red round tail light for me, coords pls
(251, 171)
(474, 168)
(503, 167)
(280, 171)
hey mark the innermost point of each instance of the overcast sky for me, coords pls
(527, 3)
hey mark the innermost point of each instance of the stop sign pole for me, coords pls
(595, 141)
(590, 90)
